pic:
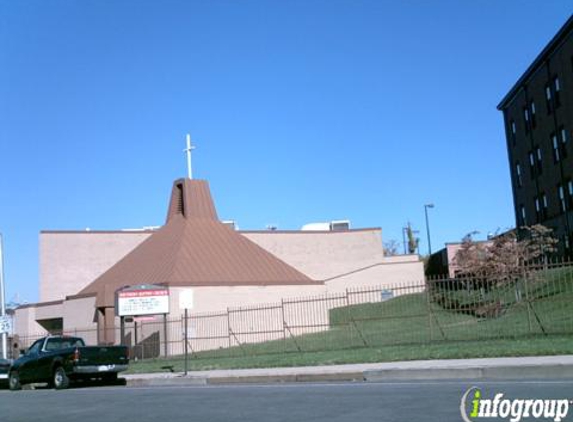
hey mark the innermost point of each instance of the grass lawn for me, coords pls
(534, 346)
(407, 327)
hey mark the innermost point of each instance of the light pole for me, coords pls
(426, 206)
(3, 301)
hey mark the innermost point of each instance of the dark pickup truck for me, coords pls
(58, 360)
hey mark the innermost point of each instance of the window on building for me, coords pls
(545, 207)
(570, 193)
(556, 148)
(564, 141)
(523, 216)
(518, 178)
(533, 115)
(537, 209)
(548, 99)
(526, 118)
(557, 91)
(532, 165)
(562, 200)
(539, 161)
(513, 131)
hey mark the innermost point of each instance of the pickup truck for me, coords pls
(58, 360)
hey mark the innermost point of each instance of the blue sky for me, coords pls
(302, 111)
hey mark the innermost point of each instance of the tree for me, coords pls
(412, 240)
(471, 257)
(540, 242)
(502, 258)
(391, 248)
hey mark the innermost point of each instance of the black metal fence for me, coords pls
(538, 302)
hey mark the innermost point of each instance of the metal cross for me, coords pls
(188, 151)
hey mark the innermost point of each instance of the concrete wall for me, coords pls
(69, 261)
(323, 255)
(386, 274)
(341, 260)
(79, 318)
(25, 325)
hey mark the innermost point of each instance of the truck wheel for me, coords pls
(60, 379)
(14, 381)
(110, 378)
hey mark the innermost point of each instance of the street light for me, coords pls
(426, 206)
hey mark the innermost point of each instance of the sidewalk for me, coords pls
(543, 367)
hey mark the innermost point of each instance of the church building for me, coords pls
(194, 253)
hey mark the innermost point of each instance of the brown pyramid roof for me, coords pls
(194, 249)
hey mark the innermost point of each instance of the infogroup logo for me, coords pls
(475, 407)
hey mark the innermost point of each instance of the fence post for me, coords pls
(165, 335)
(353, 321)
(229, 328)
(429, 303)
(283, 317)
(525, 282)
(186, 340)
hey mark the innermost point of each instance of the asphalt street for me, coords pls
(407, 401)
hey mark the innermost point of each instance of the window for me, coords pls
(523, 217)
(526, 117)
(563, 141)
(533, 118)
(556, 148)
(518, 179)
(537, 209)
(35, 348)
(548, 98)
(557, 91)
(532, 165)
(513, 130)
(545, 206)
(562, 200)
(539, 161)
(553, 94)
(570, 193)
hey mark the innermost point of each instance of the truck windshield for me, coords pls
(58, 343)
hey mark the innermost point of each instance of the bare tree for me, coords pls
(391, 248)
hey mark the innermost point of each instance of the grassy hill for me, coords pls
(536, 321)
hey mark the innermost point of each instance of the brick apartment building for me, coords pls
(538, 117)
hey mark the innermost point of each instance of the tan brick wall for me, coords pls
(69, 261)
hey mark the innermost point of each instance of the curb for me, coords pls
(508, 372)
(165, 382)
(472, 373)
(276, 379)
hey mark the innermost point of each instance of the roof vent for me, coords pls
(231, 224)
(333, 226)
(180, 203)
(340, 225)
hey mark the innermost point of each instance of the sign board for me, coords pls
(186, 299)
(5, 324)
(143, 300)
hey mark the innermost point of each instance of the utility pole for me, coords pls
(3, 301)
(426, 206)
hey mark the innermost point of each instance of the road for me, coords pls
(425, 401)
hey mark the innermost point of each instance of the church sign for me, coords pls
(142, 300)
